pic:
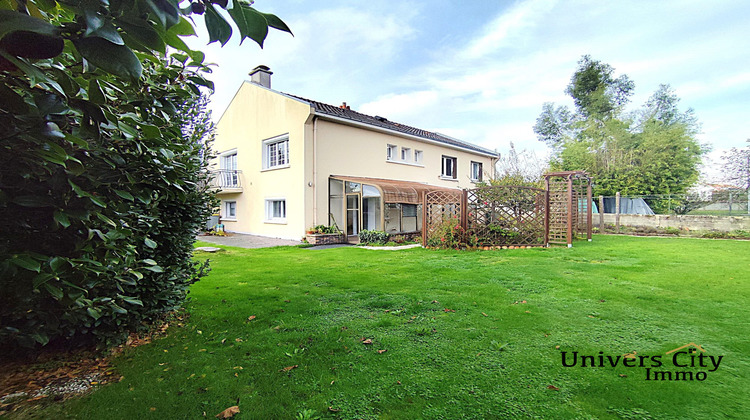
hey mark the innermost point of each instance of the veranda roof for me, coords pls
(395, 191)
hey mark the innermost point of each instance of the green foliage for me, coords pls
(654, 151)
(323, 229)
(449, 235)
(102, 180)
(373, 237)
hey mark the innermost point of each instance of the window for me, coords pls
(476, 171)
(230, 209)
(449, 167)
(276, 152)
(405, 154)
(390, 152)
(418, 156)
(228, 170)
(276, 210)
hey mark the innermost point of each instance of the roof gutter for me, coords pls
(400, 134)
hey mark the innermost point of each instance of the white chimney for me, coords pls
(261, 75)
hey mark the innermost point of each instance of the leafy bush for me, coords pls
(103, 181)
(373, 237)
(671, 230)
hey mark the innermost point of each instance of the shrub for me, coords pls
(448, 235)
(373, 237)
(103, 181)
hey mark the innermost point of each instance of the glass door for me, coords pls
(352, 214)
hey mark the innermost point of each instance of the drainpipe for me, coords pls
(315, 171)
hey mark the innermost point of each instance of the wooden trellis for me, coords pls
(569, 206)
(439, 208)
(512, 215)
(506, 215)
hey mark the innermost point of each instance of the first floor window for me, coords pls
(405, 154)
(390, 152)
(276, 152)
(228, 166)
(230, 209)
(476, 171)
(276, 210)
(418, 156)
(449, 167)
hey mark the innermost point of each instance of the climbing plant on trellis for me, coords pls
(510, 215)
(442, 213)
(506, 215)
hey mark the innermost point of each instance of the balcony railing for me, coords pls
(226, 179)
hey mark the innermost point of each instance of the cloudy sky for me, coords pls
(481, 70)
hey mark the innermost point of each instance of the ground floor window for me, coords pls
(230, 209)
(276, 210)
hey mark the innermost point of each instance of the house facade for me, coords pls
(286, 163)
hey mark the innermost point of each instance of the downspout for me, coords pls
(315, 171)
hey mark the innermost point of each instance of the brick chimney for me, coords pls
(261, 75)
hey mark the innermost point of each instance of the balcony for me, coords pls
(226, 181)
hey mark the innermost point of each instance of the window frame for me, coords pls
(443, 168)
(418, 156)
(226, 207)
(405, 154)
(480, 176)
(390, 152)
(228, 169)
(268, 158)
(269, 210)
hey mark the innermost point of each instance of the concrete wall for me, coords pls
(718, 223)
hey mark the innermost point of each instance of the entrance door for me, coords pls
(352, 214)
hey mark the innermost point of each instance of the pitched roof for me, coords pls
(348, 114)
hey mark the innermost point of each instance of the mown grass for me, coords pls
(466, 334)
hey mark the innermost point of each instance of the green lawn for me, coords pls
(467, 334)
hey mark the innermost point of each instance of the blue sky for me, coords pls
(481, 70)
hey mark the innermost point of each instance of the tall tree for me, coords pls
(651, 151)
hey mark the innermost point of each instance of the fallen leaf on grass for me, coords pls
(552, 387)
(228, 413)
(484, 314)
(366, 340)
(622, 375)
(434, 301)
(334, 410)
(528, 312)
(223, 341)
(238, 340)
(251, 317)
(288, 368)
(448, 310)
(382, 351)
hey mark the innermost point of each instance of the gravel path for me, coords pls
(247, 241)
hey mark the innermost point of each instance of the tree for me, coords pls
(102, 181)
(737, 168)
(650, 151)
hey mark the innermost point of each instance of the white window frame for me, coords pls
(269, 212)
(418, 157)
(228, 169)
(390, 152)
(444, 173)
(405, 154)
(478, 177)
(227, 213)
(269, 160)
